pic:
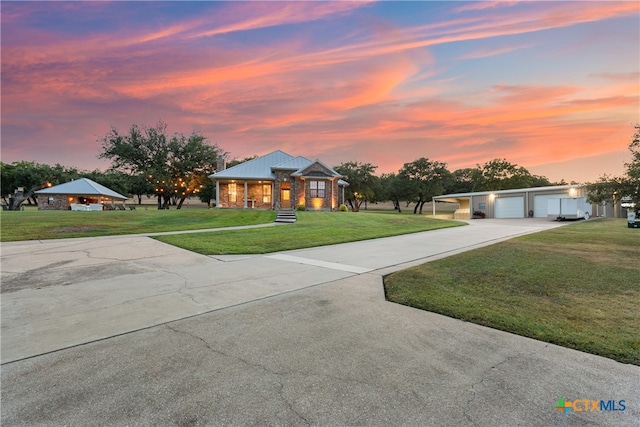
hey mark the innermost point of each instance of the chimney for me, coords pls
(222, 164)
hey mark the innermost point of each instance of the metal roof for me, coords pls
(82, 187)
(263, 167)
(515, 190)
(259, 168)
(294, 164)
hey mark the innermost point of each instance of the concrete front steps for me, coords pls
(286, 216)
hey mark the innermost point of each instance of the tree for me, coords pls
(499, 174)
(614, 189)
(139, 185)
(605, 189)
(236, 162)
(116, 180)
(7, 181)
(395, 188)
(362, 182)
(463, 180)
(31, 177)
(541, 181)
(140, 151)
(632, 189)
(175, 167)
(207, 193)
(426, 178)
(192, 160)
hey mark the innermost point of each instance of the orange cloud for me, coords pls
(380, 91)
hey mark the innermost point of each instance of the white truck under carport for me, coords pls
(568, 208)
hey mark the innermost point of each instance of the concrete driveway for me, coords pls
(130, 331)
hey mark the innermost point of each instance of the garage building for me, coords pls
(516, 203)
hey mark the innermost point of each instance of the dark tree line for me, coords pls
(32, 176)
(148, 161)
(145, 161)
(419, 181)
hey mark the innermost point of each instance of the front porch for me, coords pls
(245, 194)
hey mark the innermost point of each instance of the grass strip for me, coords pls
(311, 229)
(576, 286)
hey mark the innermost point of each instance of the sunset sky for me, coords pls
(551, 86)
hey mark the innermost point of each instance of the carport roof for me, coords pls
(497, 192)
(82, 187)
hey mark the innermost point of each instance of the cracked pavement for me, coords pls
(130, 331)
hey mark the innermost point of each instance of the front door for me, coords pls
(285, 198)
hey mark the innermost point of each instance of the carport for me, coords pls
(512, 203)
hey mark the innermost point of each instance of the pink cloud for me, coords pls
(382, 97)
(244, 16)
(485, 53)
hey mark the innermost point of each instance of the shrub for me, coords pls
(478, 214)
(300, 207)
(343, 208)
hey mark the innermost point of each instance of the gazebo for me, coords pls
(79, 195)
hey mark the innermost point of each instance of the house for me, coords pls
(517, 203)
(279, 181)
(79, 194)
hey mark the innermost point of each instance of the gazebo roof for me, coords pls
(82, 187)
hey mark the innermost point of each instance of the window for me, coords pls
(266, 193)
(233, 192)
(316, 189)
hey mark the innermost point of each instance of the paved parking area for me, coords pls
(129, 331)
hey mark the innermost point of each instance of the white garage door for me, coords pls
(541, 204)
(509, 207)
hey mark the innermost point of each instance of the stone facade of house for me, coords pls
(289, 184)
(53, 202)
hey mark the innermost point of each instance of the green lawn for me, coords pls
(577, 286)
(311, 229)
(33, 224)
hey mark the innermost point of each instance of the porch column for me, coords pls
(217, 194)
(245, 195)
(273, 195)
(331, 196)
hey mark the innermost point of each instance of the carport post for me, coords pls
(433, 205)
